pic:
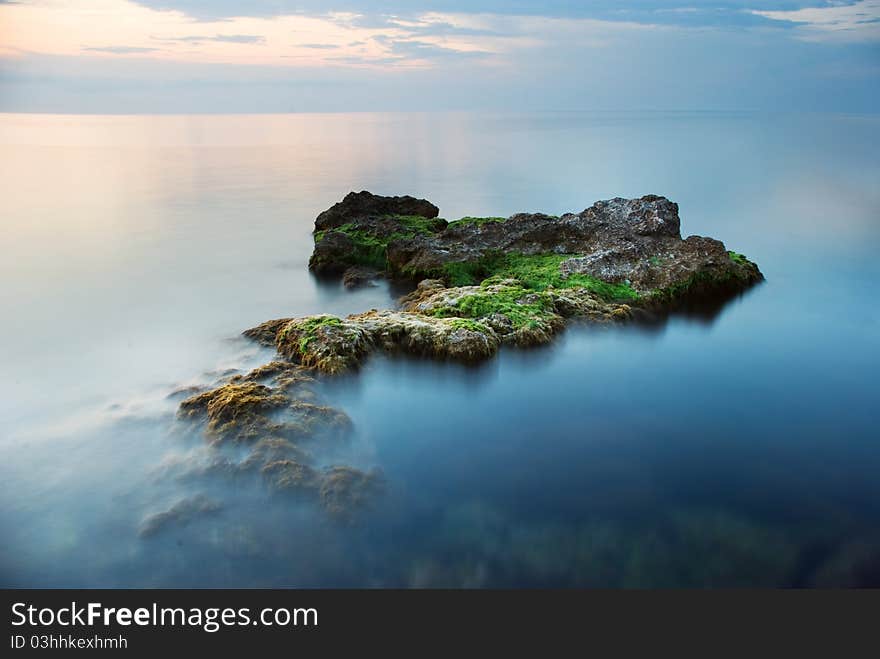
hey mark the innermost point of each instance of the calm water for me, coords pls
(736, 449)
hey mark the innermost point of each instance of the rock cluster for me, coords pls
(479, 283)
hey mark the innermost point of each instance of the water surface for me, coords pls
(738, 448)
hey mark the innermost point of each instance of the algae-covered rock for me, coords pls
(234, 411)
(463, 323)
(276, 369)
(342, 491)
(334, 345)
(493, 280)
(287, 377)
(345, 490)
(265, 333)
(248, 412)
(272, 449)
(335, 252)
(292, 477)
(622, 249)
(363, 204)
(358, 230)
(324, 342)
(272, 435)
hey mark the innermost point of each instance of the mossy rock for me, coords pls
(235, 411)
(346, 491)
(324, 342)
(292, 477)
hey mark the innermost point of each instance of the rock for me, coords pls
(319, 421)
(246, 412)
(358, 230)
(258, 431)
(288, 377)
(180, 514)
(272, 449)
(333, 345)
(291, 476)
(324, 342)
(488, 281)
(345, 491)
(235, 411)
(462, 323)
(358, 276)
(333, 254)
(265, 333)
(276, 369)
(357, 205)
(632, 244)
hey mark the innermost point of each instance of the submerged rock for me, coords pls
(345, 490)
(342, 491)
(246, 412)
(277, 431)
(291, 476)
(180, 514)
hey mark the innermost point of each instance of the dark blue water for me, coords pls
(734, 447)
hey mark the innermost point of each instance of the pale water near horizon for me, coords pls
(734, 449)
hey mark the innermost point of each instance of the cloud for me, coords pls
(53, 27)
(855, 22)
(220, 38)
(120, 50)
(414, 49)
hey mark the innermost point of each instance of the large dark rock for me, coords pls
(333, 254)
(362, 204)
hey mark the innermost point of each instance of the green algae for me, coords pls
(370, 247)
(536, 272)
(522, 307)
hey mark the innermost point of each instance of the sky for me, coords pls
(178, 56)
